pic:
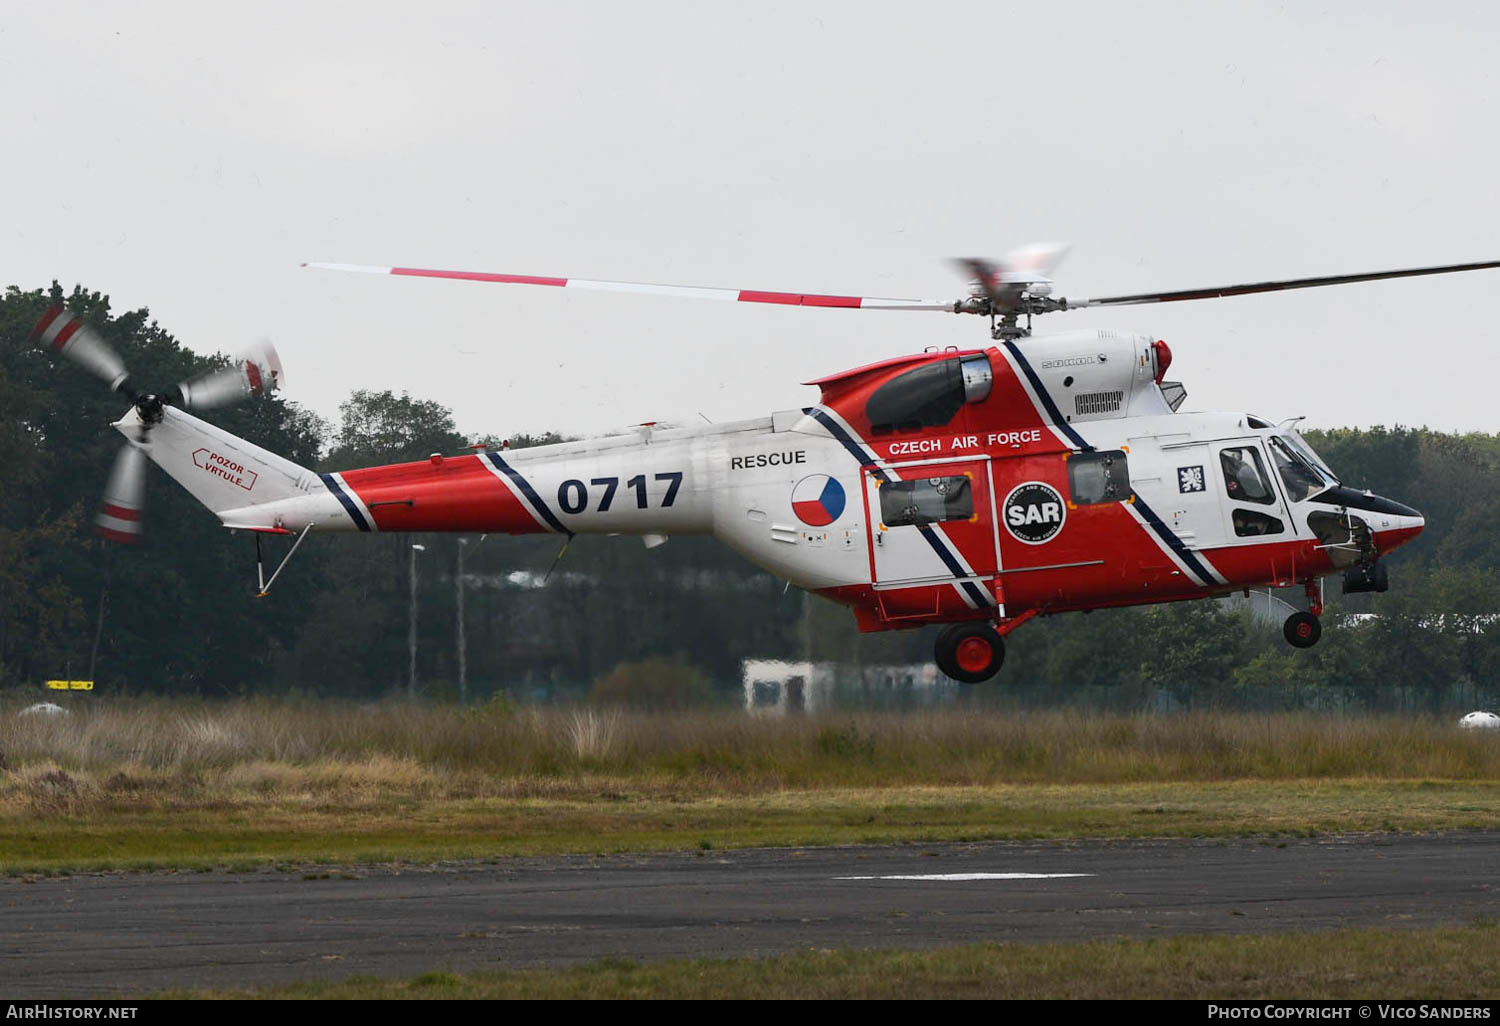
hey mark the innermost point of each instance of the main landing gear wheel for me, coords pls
(1302, 630)
(970, 652)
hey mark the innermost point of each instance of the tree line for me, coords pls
(178, 613)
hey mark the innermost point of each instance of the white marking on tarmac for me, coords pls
(970, 876)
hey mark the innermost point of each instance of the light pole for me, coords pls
(463, 655)
(463, 649)
(411, 631)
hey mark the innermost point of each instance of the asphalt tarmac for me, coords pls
(133, 933)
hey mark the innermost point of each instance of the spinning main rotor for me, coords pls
(1009, 291)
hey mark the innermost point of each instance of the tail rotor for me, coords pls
(65, 333)
(254, 373)
(120, 514)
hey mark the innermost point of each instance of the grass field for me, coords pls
(135, 831)
(1446, 964)
(287, 785)
(155, 784)
(730, 751)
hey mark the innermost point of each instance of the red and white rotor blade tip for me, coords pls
(687, 291)
(253, 373)
(119, 517)
(65, 333)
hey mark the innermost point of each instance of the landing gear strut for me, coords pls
(970, 652)
(1302, 630)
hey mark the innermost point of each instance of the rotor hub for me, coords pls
(149, 407)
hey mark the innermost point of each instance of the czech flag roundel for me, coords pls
(818, 500)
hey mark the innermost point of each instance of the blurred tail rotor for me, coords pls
(254, 373)
(66, 334)
(120, 514)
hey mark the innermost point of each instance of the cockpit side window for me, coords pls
(1300, 479)
(926, 500)
(1245, 475)
(927, 396)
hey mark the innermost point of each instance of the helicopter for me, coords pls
(970, 488)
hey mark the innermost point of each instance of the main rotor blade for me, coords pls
(1220, 291)
(66, 334)
(255, 372)
(119, 516)
(689, 291)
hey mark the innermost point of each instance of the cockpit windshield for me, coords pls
(1299, 444)
(1302, 477)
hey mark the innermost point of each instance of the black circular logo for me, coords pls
(1034, 512)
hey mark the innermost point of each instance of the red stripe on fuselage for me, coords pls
(877, 610)
(1002, 424)
(1270, 562)
(1385, 541)
(1121, 565)
(120, 512)
(456, 494)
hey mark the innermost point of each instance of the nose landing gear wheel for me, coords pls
(970, 652)
(1302, 630)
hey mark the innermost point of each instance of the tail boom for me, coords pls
(624, 486)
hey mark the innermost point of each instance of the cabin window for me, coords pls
(1248, 523)
(926, 500)
(1245, 475)
(929, 395)
(1098, 477)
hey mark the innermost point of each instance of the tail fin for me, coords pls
(220, 470)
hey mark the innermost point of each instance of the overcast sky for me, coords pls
(188, 157)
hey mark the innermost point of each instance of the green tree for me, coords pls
(382, 427)
(179, 609)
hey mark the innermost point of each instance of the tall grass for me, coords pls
(444, 747)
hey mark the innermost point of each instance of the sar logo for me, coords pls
(818, 500)
(1034, 512)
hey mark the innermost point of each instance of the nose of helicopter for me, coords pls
(1392, 523)
(1392, 530)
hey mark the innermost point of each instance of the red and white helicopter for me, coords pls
(975, 488)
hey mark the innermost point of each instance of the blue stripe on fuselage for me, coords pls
(1046, 398)
(343, 497)
(528, 491)
(1175, 543)
(866, 460)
